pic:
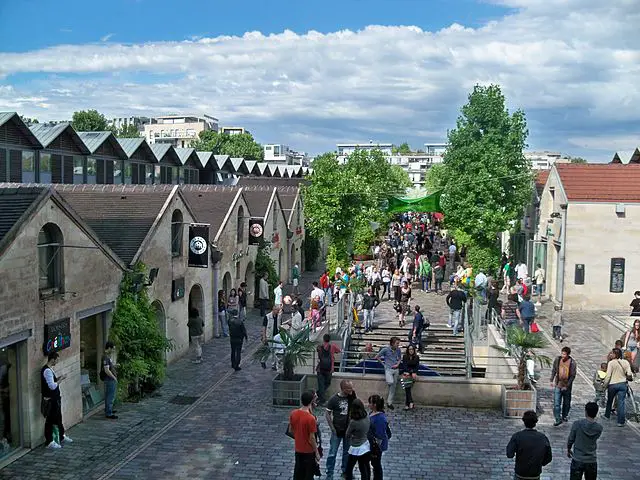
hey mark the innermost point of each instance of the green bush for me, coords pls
(265, 264)
(363, 239)
(311, 251)
(140, 343)
(336, 257)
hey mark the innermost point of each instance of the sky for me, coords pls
(314, 73)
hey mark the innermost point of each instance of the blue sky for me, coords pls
(315, 73)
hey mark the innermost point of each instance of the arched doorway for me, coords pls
(196, 300)
(250, 279)
(282, 266)
(226, 283)
(161, 320)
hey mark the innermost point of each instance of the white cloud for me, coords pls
(106, 37)
(572, 65)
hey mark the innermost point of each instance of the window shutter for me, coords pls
(134, 174)
(100, 172)
(56, 168)
(109, 172)
(3, 165)
(67, 171)
(15, 166)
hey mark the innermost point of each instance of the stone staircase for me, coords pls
(443, 352)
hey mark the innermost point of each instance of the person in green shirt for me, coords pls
(424, 272)
(295, 276)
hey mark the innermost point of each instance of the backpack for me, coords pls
(324, 356)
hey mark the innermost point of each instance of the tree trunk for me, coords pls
(522, 366)
(287, 370)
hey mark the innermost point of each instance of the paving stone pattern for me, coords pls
(232, 432)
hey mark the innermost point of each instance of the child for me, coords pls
(558, 322)
(598, 384)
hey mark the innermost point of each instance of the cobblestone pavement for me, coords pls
(232, 432)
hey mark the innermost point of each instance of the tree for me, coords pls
(239, 145)
(577, 160)
(521, 346)
(29, 121)
(343, 199)
(89, 121)
(485, 180)
(403, 149)
(128, 131)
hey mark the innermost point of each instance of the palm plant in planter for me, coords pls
(295, 351)
(521, 346)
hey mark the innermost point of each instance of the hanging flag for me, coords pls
(199, 245)
(256, 231)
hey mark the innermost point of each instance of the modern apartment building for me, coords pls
(233, 130)
(138, 122)
(545, 160)
(346, 149)
(178, 130)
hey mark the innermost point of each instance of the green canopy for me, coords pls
(429, 203)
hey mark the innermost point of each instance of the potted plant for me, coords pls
(295, 350)
(521, 346)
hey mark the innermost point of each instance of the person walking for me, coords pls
(222, 314)
(419, 324)
(277, 294)
(324, 370)
(233, 303)
(562, 375)
(632, 341)
(295, 277)
(582, 445)
(395, 284)
(242, 300)
(237, 335)
(405, 298)
(386, 283)
(618, 374)
(424, 271)
(357, 437)
(538, 278)
(108, 377)
(391, 356)
(531, 449)
(378, 439)
(263, 294)
(369, 303)
(455, 301)
(337, 415)
(51, 404)
(303, 426)
(195, 325)
(325, 285)
(527, 313)
(270, 328)
(409, 371)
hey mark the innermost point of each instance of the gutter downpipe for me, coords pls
(562, 257)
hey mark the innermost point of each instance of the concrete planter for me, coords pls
(287, 393)
(515, 402)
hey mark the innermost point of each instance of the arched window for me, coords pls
(50, 258)
(241, 222)
(176, 233)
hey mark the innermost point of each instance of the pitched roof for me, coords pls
(15, 202)
(120, 215)
(541, 180)
(251, 180)
(19, 123)
(258, 199)
(627, 156)
(184, 154)
(210, 204)
(130, 145)
(47, 133)
(204, 158)
(93, 141)
(600, 182)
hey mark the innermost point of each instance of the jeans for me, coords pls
(264, 305)
(109, 396)
(364, 466)
(386, 288)
(418, 338)
(455, 316)
(305, 466)
(619, 390)
(578, 469)
(222, 320)
(236, 353)
(438, 285)
(561, 397)
(376, 464)
(425, 283)
(391, 377)
(368, 319)
(407, 396)
(557, 331)
(334, 444)
(328, 296)
(526, 324)
(324, 381)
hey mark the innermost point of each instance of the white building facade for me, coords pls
(545, 160)
(178, 130)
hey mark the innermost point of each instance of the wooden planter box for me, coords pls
(515, 402)
(287, 393)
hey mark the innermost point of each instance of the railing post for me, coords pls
(467, 340)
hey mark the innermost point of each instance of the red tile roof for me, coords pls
(541, 180)
(600, 182)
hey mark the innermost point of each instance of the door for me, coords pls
(12, 359)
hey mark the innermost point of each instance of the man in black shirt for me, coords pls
(531, 449)
(455, 301)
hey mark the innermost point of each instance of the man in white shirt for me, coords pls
(277, 292)
(522, 272)
(317, 292)
(481, 284)
(538, 278)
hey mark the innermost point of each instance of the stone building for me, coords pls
(589, 235)
(59, 286)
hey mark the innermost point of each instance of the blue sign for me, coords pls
(57, 336)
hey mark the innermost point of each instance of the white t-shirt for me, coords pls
(539, 276)
(522, 271)
(278, 295)
(317, 292)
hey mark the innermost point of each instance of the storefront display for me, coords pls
(91, 343)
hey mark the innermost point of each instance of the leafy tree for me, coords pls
(29, 121)
(89, 121)
(240, 145)
(343, 198)
(577, 160)
(128, 131)
(403, 149)
(485, 179)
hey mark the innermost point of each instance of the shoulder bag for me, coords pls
(629, 377)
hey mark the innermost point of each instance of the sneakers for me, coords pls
(264, 365)
(112, 417)
(557, 422)
(54, 445)
(390, 407)
(66, 439)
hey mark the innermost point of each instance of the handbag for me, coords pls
(629, 377)
(289, 432)
(534, 327)
(407, 382)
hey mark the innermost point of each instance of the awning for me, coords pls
(429, 203)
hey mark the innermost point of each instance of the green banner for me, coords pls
(429, 203)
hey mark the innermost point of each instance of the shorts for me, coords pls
(295, 282)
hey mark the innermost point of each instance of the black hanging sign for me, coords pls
(199, 245)
(616, 280)
(256, 231)
(57, 336)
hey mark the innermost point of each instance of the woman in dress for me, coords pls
(405, 297)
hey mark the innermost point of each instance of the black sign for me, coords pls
(57, 336)
(616, 281)
(199, 245)
(177, 289)
(256, 231)
(579, 274)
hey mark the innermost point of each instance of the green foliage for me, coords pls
(403, 149)
(577, 160)
(336, 257)
(140, 343)
(363, 238)
(29, 121)
(265, 264)
(240, 145)
(89, 121)
(522, 345)
(311, 251)
(297, 349)
(128, 131)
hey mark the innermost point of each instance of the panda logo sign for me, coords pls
(198, 245)
(256, 231)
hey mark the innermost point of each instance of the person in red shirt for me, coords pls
(303, 425)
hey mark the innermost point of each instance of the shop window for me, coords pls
(78, 170)
(50, 258)
(127, 173)
(240, 225)
(176, 233)
(28, 167)
(92, 340)
(92, 174)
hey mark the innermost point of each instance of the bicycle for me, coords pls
(633, 403)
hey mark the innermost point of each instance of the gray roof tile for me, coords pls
(15, 200)
(209, 203)
(47, 133)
